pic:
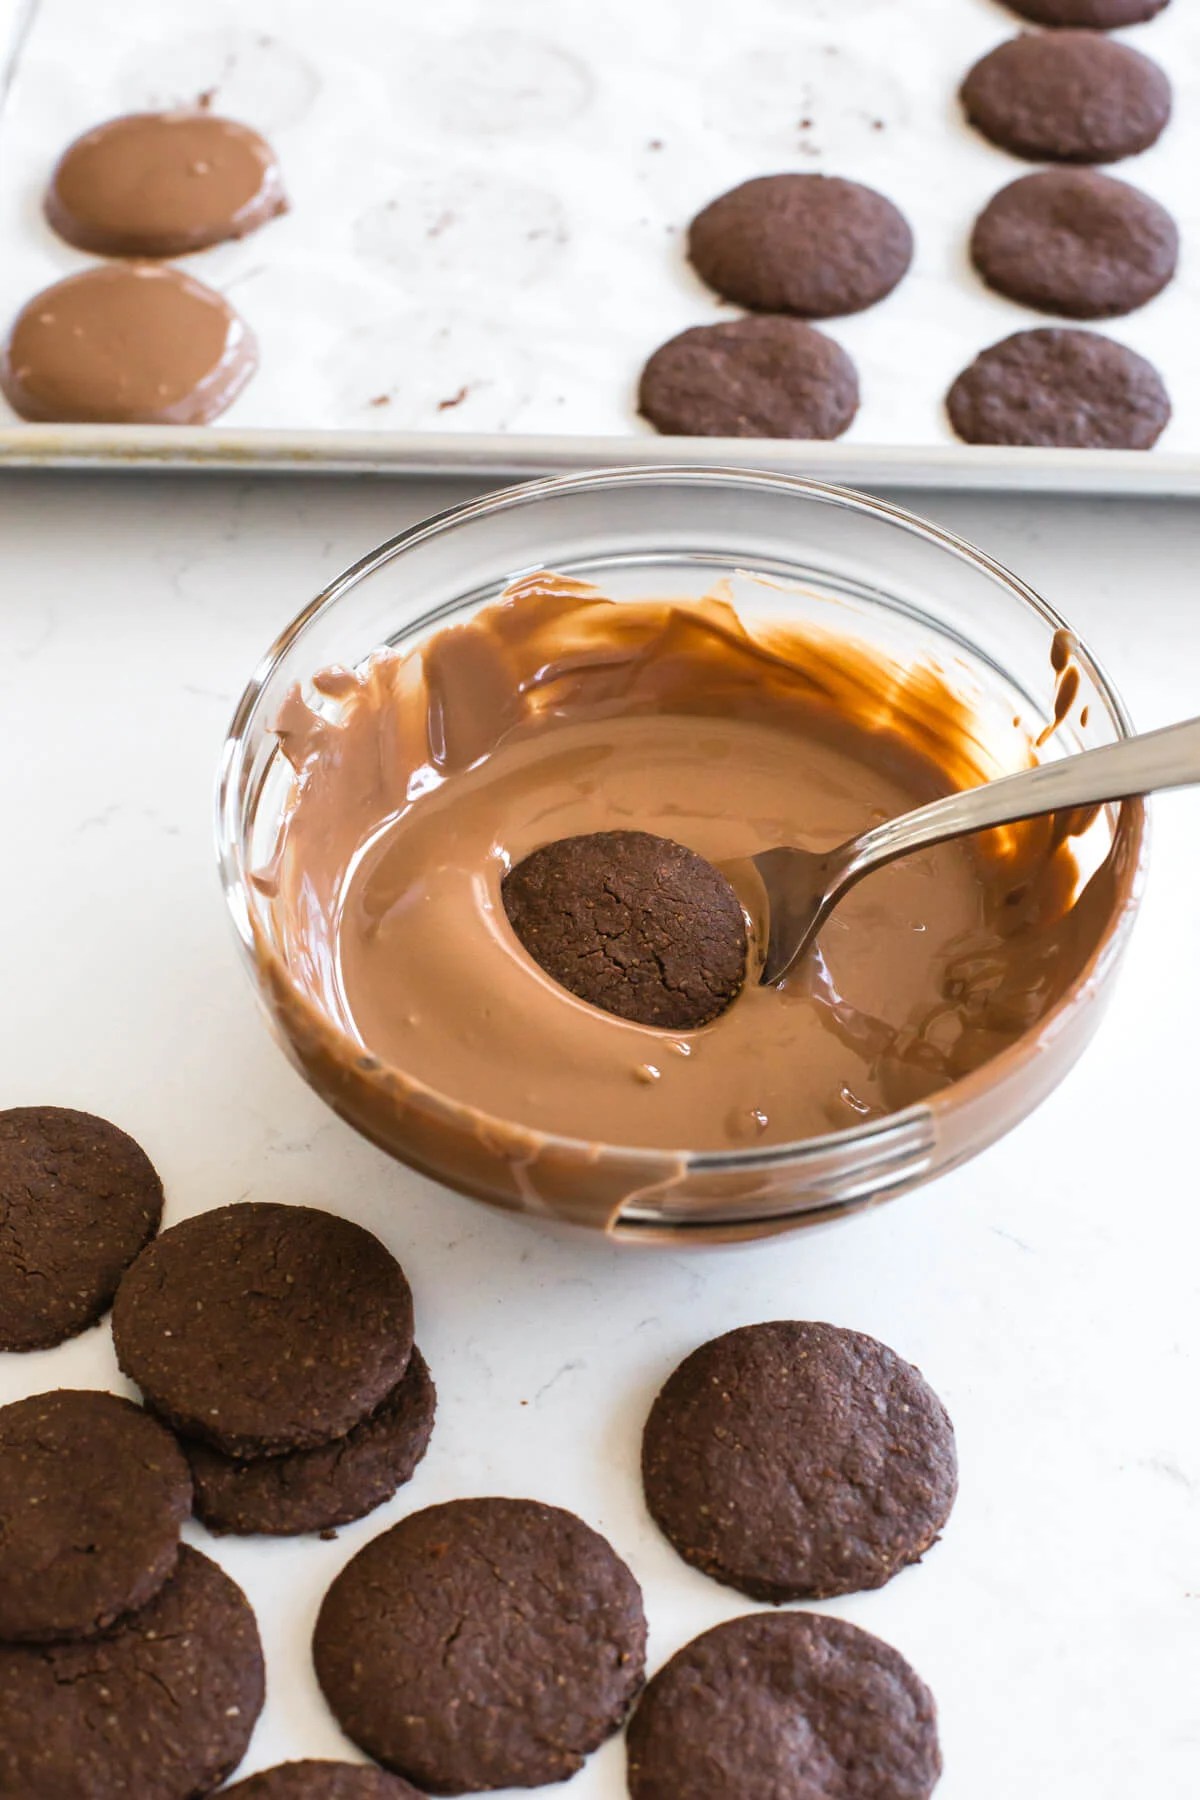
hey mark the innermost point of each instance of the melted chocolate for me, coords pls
(162, 184)
(557, 712)
(126, 343)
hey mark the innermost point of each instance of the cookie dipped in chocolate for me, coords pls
(423, 778)
(126, 344)
(632, 923)
(162, 184)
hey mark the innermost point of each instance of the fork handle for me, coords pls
(1168, 758)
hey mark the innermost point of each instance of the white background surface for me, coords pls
(1049, 1290)
(478, 202)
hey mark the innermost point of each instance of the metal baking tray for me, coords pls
(488, 210)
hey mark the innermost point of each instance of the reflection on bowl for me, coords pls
(829, 564)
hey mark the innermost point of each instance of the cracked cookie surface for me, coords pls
(263, 1328)
(795, 1461)
(315, 1490)
(789, 1707)
(632, 923)
(161, 1707)
(482, 1644)
(93, 1492)
(78, 1199)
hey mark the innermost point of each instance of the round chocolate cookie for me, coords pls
(161, 1707)
(1095, 15)
(321, 1781)
(161, 184)
(78, 1199)
(314, 1490)
(1068, 96)
(766, 376)
(1075, 242)
(482, 1644)
(786, 1707)
(93, 1492)
(634, 924)
(809, 244)
(794, 1461)
(262, 1328)
(1060, 387)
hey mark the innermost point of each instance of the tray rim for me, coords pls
(986, 468)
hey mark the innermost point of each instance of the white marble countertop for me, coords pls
(1049, 1290)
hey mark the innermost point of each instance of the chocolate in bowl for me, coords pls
(882, 621)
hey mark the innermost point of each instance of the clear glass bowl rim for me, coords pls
(897, 1125)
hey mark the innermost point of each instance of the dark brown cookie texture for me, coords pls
(795, 1461)
(316, 1490)
(809, 244)
(1095, 15)
(1075, 242)
(161, 1707)
(1060, 388)
(765, 376)
(789, 1706)
(78, 1199)
(1068, 96)
(262, 1328)
(482, 1644)
(93, 1492)
(321, 1781)
(632, 923)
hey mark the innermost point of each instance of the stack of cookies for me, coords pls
(129, 1664)
(278, 1342)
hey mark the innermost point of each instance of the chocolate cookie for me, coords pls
(634, 924)
(93, 1492)
(314, 1490)
(482, 1644)
(161, 184)
(785, 1707)
(1074, 242)
(130, 343)
(768, 377)
(1059, 387)
(1068, 96)
(809, 244)
(161, 1707)
(262, 1328)
(795, 1461)
(78, 1199)
(321, 1781)
(1096, 15)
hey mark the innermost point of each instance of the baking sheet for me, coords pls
(489, 205)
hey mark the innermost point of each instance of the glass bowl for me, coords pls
(787, 547)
